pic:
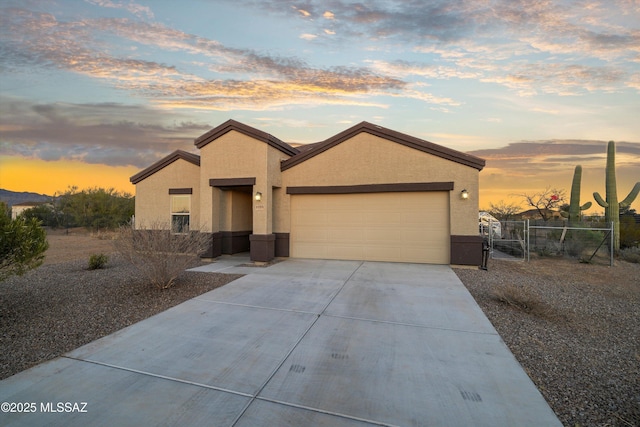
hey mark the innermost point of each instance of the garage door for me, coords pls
(400, 227)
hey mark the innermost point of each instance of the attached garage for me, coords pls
(398, 226)
(366, 193)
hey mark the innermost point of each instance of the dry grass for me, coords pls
(522, 298)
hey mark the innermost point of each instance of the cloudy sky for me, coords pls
(92, 91)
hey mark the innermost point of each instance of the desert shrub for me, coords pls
(23, 243)
(631, 254)
(544, 252)
(629, 232)
(160, 254)
(579, 241)
(98, 261)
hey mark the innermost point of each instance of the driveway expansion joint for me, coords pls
(162, 377)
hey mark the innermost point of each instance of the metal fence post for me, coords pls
(527, 239)
(611, 246)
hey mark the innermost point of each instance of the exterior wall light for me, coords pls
(464, 194)
(258, 196)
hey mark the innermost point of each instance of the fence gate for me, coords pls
(509, 240)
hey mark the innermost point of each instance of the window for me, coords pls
(180, 213)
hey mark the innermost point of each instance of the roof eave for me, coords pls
(406, 140)
(230, 125)
(164, 162)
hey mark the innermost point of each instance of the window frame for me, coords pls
(180, 214)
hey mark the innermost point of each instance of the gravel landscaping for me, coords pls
(59, 307)
(573, 327)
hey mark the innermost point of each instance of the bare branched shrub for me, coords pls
(160, 254)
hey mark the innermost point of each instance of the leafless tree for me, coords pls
(503, 211)
(546, 202)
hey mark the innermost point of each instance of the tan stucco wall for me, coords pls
(241, 213)
(368, 159)
(153, 198)
(235, 155)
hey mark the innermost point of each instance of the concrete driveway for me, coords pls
(298, 343)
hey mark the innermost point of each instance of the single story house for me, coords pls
(367, 193)
(19, 208)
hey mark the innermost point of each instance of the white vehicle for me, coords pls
(488, 222)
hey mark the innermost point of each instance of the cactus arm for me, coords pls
(599, 200)
(585, 206)
(631, 197)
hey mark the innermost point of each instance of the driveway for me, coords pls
(298, 343)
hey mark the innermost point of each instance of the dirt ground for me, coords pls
(75, 244)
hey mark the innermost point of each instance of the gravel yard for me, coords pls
(573, 327)
(62, 305)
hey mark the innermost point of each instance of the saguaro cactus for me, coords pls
(611, 205)
(574, 203)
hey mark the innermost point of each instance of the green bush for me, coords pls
(98, 261)
(629, 232)
(23, 243)
(578, 242)
(631, 254)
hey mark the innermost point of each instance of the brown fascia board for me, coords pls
(405, 187)
(164, 162)
(230, 125)
(391, 135)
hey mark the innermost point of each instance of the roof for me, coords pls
(230, 125)
(305, 152)
(164, 162)
(29, 204)
(388, 134)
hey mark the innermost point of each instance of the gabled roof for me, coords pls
(388, 134)
(164, 162)
(230, 125)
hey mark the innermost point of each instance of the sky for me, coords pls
(93, 91)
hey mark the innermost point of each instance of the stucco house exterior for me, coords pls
(367, 193)
(19, 208)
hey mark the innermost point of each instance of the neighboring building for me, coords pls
(18, 208)
(367, 193)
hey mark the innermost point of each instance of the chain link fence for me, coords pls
(585, 241)
(518, 240)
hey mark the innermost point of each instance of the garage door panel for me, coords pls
(344, 219)
(346, 235)
(402, 227)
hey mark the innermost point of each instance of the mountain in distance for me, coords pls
(13, 198)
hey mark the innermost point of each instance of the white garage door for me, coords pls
(400, 227)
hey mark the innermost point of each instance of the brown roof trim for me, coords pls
(164, 162)
(181, 191)
(406, 187)
(391, 135)
(230, 125)
(232, 182)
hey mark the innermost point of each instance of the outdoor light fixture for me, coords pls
(464, 194)
(258, 196)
